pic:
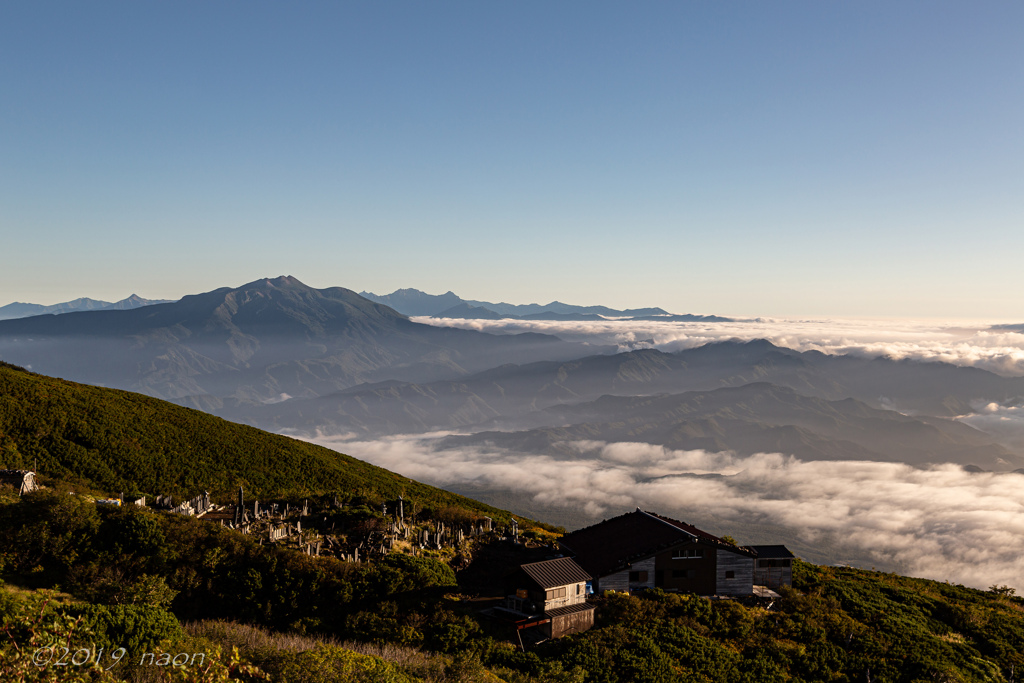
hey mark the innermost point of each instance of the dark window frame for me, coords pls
(774, 564)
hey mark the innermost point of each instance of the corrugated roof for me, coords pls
(615, 543)
(558, 572)
(568, 609)
(772, 552)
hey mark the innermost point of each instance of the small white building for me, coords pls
(553, 595)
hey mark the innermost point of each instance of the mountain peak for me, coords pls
(760, 343)
(279, 282)
(132, 302)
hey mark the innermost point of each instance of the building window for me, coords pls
(730, 574)
(687, 553)
(684, 573)
(555, 593)
(637, 577)
(773, 563)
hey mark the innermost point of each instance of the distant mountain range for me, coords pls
(762, 418)
(413, 302)
(268, 340)
(513, 397)
(22, 310)
(283, 356)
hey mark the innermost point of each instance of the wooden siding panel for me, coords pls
(773, 577)
(575, 593)
(619, 581)
(571, 623)
(743, 568)
(646, 566)
(703, 580)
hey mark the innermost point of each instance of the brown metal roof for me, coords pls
(771, 551)
(558, 572)
(615, 543)
(568, 609)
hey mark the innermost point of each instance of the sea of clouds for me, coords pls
(939, 522)
(975, 343)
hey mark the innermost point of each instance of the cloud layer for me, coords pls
(941, 523)
(973, 343)
(1004, 422)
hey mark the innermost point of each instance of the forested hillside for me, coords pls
(125, 442)
(154, 582)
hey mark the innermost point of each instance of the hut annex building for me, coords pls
(640, 550)
(550, 600)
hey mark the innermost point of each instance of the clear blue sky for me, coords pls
(766, 158)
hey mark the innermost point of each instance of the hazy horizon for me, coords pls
(972, 321)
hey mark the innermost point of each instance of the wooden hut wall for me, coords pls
(619, 581)
(641, 574)
(573, 593)
(772, 577)
(570, 623)
(742, 567)
(687, 568)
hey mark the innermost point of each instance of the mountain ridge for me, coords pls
(414, 302)
(759, 418)
(253, 343)
(18, 309)
(516, 397)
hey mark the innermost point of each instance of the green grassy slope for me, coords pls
(120, 441)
